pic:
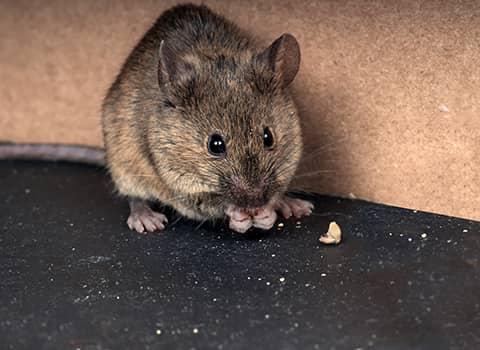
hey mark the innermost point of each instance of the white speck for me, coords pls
(282, 279)
(449, 241)
(464, 230)
(443, 108)
(158, 331)
(118, 298)
(392, 282)
(268, 283)
(71, 224)
(281, 224)
(299, 222)
(273, 255)
(267, 316)
(295, 325)
(195, 330)
(415, 211)
(390, 234)
(423, 235)
(307, 285)
(248, 278)
(27, 191)
(410, 239)
(73, 249)
(259, 278)
(401, 234)
(323, 274)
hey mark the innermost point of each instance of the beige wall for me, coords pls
(389, 90)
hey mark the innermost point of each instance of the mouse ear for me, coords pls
(283, 58)
(171, 67)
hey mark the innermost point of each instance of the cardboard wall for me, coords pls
(389, 90)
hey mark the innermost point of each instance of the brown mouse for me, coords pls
(201, 119)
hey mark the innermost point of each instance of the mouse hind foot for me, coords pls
(143, 219)
(295, 207)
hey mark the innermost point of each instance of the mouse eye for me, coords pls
(216, 145)
(267, 138)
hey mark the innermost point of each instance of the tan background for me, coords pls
(389, 90)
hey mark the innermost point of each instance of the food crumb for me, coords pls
(323, 274)
(281, 224)
(464, 230)
(333, 235)
(423, 235)
(443, 108)
(282, 279)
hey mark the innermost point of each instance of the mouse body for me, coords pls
(199, 118)
(202, 120)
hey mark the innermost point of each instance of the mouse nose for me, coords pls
(248, 195)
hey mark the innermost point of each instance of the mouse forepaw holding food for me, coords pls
(143, 219)
(239, 220)
(265, 218)
(289, 206)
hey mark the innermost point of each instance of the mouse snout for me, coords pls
(248, 194)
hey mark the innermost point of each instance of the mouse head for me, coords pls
(227, 125)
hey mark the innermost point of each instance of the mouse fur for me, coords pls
(192, 75)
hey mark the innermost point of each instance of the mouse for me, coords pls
(200, 118)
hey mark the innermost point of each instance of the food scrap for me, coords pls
(333, 235)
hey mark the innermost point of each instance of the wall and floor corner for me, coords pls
(390, 91)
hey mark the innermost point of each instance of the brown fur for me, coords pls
(193, 74)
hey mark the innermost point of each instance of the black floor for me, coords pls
(73, 276)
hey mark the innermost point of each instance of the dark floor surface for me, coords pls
(73, 276)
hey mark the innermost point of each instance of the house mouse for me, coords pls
(200, 118)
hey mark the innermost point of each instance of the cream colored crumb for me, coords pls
(333, 235)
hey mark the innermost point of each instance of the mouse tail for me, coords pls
(53, 152)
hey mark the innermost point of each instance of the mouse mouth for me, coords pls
(249, 203)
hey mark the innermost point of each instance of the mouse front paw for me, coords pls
(289, 207)
(264, 218)
(240, 221)
(143, 219)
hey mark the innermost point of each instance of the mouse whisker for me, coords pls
(324, 148)
(200, 224)
(313, 173)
